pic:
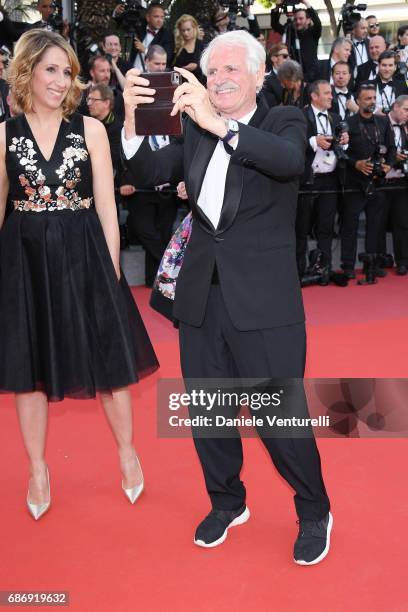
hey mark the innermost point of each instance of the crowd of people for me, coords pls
(354, 103)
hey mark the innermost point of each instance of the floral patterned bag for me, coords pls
(164, 286)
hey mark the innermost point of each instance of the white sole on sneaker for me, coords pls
(326, 549)
(239, 520)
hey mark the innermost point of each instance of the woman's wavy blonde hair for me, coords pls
(177, 34)
(28, 52)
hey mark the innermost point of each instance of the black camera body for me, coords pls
(403, 165)
(336, 147)
(236, 6)
(377, 159)
(133, 15)
(350, 16)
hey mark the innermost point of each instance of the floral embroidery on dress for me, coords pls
(32, 179)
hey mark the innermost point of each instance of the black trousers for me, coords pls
(151, 217)
(375, 206)
(318, 211)
(218, 350)
(399, 220)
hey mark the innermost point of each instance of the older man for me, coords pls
(238, 299)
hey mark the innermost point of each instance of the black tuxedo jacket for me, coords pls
(272, 89)
(362, 147)
(325, 69)
(254, 244)
(335, 108)
(399, 87)
(334, 120)
(163, 37)
(353, 58)
(364, 72)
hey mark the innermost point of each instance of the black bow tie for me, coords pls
(359, 42)
(384, 85)
(150, 31)
(341, 93)
(397, 125)
(322, 115)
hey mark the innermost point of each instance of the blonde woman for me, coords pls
(188, 47)
(68, 324)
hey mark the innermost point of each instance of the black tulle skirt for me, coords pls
(68, 327)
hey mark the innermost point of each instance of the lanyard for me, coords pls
(397, 135)
(325, 130)
(389, 101)
(359, 53)
(340, 97)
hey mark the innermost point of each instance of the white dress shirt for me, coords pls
(324, 161)
(139, 59)
(385, 97)
(360, 51)
(211, 196)
(396, 172)
(342, 101)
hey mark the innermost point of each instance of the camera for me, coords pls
(336, 147)
(55, 19)
(132, 17)
(350, 16)
(377, 159)
(235, 6)
(288, 7)
(403, 165)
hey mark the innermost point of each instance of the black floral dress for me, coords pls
(68, 327)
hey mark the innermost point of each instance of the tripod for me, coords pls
(291, 40)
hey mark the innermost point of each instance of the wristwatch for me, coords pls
(233, 129)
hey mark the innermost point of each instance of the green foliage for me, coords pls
(267, 3)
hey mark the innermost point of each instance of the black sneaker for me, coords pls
(213, 530)
(313, 541)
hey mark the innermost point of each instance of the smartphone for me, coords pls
(154, 118)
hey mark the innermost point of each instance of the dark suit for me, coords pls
(398, 203)
(320, 209)
(365, 136)
(339, 105)
(272, 88)
(163, 37)
(399, 88)
(325, 69)
(365, 71)
(242, 277)
(355, 56)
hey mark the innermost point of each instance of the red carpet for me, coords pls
(111, 556)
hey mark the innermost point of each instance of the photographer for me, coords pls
(359, 41)
(48, 19)
(326, 135)
(388, 88)
(100, 71)
(371, 153)
(307, 28)
(272, 89)
(398, 177)
(113, 49)
(150, 31)
(369, 70)
(343, 101)
(290, 75)
(340, 52)
(222, 20)
(152, 212)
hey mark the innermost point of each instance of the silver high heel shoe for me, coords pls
(135, 492)
(37, 510)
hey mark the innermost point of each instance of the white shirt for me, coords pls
(395, 172)
(139, 59)
(360, 51)
(211, 196)
(342, 101)
(385, 97)
(324, 161)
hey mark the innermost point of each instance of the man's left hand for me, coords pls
(345, 138)
(192, 98)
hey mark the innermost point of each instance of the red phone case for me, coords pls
(154, 118)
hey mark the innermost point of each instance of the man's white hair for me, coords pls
(256, 55)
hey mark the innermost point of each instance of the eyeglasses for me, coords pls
(90, 100)
(374, 25)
